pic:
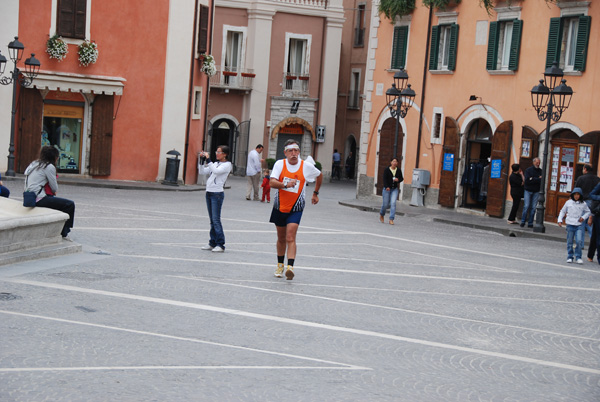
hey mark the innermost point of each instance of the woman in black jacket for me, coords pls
(392, 177)
(516, 181)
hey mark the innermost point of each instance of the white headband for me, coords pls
(291, 146)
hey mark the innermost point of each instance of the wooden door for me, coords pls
(561, 177)
(496, 195)
(449, 165)
(30, 134)
(528, 134)
(386, 149)
(102, 131)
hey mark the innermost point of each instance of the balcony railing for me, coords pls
(241, 79)
(308, 3)
(295, 84)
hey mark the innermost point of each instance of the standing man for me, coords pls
(337, 159)
(253, 168)
(587, 181)
(289, 177)
(533, 180)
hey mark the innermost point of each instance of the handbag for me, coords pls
(29, 196)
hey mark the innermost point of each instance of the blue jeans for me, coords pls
(577, 233)
(214, 202)
(530, 202)
(589, 227)
(389, 197)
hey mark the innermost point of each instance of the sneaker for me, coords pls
(218, 249)
(579, 261)
(569, 260)
(529, 226)
(279, 270)
(522, 224)
(67, 238)
(289, 273)
(207, 247)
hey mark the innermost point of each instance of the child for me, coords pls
(266, 187)
(577, 212)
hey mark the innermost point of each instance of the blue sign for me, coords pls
(448, 162)
(496, 168)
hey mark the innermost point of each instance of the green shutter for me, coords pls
(554, 41)
(433, 47)
(515, 45)
(453, 46)
(583, 34)
(399, 47)
(492, 51)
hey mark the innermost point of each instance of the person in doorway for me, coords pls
(586, 182)
(516, 181)
(266, 192)
(219, 171)
(4, 192)
(533, 180)
(392, 177)
(576, 212)
(337, 161)
(289, 177)
(253, 169)
(350, 166)
(42, 172)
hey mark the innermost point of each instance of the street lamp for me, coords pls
(399, 99)
(549, 102)
(32, 68)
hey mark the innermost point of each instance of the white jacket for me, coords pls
(574, 210)
(219, 171)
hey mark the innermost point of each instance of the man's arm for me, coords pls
(315, 196)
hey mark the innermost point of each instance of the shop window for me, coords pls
(444, 41)
(504, 43)
(62, 128)
(568, 42)
(399, 48)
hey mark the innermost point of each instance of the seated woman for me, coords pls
(42, 172)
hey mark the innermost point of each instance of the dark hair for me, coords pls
(515, 167)
(588, 167)
(290, 141)
(394, 157)
(48, 156)
(225, 150)
(259, 146)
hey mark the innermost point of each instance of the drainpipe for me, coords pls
(190, 94)
(210, 35)
(425, 66)
(320, 85)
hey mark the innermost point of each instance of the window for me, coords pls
(400, 46)
(233, 53)
(436, 127)
(354, 94)
(568, 42)
(71, 18)
(203, 30)
(296, 62)
(197, 103)
(444, 40)
(504, 43)
(297, 56)
(359, 31)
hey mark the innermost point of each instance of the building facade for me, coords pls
(277, 74)
(472, 116)
(117, 117)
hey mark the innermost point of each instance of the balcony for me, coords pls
(228, 79)
(295, 85)
(305, 3)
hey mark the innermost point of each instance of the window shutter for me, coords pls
(203, 30)
(453, 46)
(583, 35)
(66, 18)
(433, 47)
(554, 39)
(79, 19)
(492, 51)
(515, 45)
(399, 50)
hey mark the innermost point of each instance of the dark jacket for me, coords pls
(533, 178)
(516, 186)
(388, 178)
(587, 182)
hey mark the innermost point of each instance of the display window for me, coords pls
(62, 128)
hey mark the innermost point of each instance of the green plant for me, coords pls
(270, 163)
(208, 65)
(393, 8)
(56, 48)
(318, 165)
(442, 4)
(88, 53)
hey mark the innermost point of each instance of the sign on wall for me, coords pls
(320, 133)
(448, 162)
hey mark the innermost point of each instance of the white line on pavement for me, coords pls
(310, 324)
(121, 368)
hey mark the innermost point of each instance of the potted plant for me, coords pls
(248, 75)
(229, 73)
(88, 53)
(208, 65)
(290, 77)
(57, 48)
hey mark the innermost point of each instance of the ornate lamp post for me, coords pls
(549, 102)
(32, 67)
(399, 100)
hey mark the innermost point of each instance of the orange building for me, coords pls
(119, 115)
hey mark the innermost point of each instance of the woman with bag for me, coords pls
(42, 172)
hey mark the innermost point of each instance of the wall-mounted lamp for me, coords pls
(474, 98)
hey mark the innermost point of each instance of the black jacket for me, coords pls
(388, 178)
(516, 186)
(587, 182)
(533, 179)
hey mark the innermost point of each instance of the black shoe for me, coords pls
(522, 224)
(529, 226)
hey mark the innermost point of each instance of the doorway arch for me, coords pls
(478, 151)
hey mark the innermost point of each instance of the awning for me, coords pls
(96, 84)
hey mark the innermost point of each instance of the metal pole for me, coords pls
(540, 210)
(397, 129)
(11, 147)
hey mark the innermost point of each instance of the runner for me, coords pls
(289, 176)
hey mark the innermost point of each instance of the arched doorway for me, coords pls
(475, 177)
(222, 134)
(387, 137)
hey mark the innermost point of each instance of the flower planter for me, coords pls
(290, 77)
(303, 78)
(248, 75)
(88, 53)
(56, 48)
(229, 73)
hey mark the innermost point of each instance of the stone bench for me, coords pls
(31, 233)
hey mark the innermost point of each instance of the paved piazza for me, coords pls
(419, 311)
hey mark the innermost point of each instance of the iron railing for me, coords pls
(240, 79)
(295, 84)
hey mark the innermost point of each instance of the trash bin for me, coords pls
(172, 169)
(420, 181)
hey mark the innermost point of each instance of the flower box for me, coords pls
(303, 78)
(290, 77)
(248, 75)
(229, 73)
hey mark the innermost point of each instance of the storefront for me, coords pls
(62, 128)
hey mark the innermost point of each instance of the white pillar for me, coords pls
(9, 28)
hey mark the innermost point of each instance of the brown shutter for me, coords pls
(79, 23)
(30, 134)
(102, 130)
(386, 149)
(448, 178)
(203, 30)
(496, 195)
(66, 18)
